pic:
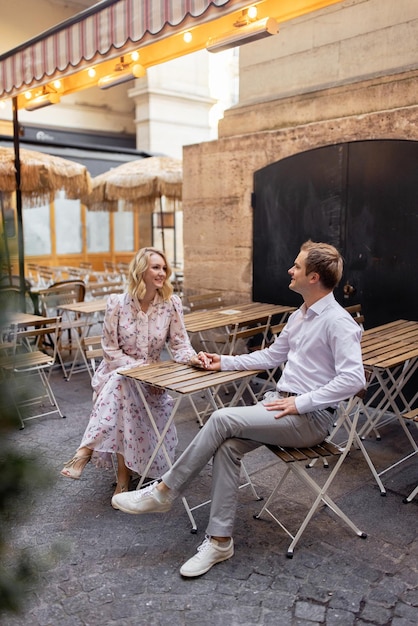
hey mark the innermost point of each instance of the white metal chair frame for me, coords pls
(296, 459)
(411, 416)
(26, 358)
(64, 292)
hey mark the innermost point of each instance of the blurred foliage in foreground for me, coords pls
(21, 478)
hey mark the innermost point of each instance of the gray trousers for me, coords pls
(227, 436)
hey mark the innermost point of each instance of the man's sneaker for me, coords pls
(147, 500)
(209, 553)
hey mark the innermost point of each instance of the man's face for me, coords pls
(299, 281)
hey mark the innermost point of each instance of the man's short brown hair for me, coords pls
(325, 260)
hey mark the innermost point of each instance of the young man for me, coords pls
(320, 345)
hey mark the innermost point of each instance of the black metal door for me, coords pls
(361, 197)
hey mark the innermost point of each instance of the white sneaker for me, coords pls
(147, 500)
(208, 554)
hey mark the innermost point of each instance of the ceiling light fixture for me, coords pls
(243, 34)
(42, 101)
(122, 74)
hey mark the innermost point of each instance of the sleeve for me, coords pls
(178, 339)
(265, 359)
(112, 353)
(344, 341)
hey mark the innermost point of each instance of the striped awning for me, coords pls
(105, 31)
(114, 28)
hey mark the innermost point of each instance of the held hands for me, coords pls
(285, 406)
(206, 361)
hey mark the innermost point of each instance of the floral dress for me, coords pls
(119, 421)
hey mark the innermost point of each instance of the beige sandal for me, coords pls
(74, 467)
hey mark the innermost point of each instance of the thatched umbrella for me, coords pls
(139, 183)
(41, 175)
(35, 177)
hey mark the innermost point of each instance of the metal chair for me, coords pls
(23, 358)
(296, 460)
(93, 351)
(411, 416)
(50, 301)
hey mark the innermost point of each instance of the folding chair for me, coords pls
(93, 351)
(50, 300)
(255, 338)
(25, 359)
(344, 421)
(411, 416)
(205, 301)
(296, 459)
(355, 312)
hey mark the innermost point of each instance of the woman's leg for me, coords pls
(123, 475)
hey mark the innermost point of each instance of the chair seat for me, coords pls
(321, 450)
(28, 360)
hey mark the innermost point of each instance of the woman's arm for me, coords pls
(178, 338)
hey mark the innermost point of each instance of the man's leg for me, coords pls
(295, 431)
(253, 423)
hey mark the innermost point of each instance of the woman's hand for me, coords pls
(206, 361)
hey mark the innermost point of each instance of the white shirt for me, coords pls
(321, 348)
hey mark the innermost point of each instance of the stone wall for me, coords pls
(218, 181)
(346, 73)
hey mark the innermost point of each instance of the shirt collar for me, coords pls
(321, 304)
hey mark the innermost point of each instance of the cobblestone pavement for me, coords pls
(102, 567)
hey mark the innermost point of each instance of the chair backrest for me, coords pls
(10, 299)
(101, 290)
(64, 292)
(46, 276)
(205, 301)
(356, 314)
(14, 281)
(28, 340)
(109, 266)
(276, 329)
(255, 335)
(93, 349)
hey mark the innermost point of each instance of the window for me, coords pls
(98, 231)
(123, 227)
(37, 230)
(68, 228)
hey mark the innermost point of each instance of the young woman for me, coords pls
(136, 327)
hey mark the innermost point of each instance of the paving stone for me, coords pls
(309, 611)
(98, 566)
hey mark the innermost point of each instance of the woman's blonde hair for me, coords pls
(137, 267)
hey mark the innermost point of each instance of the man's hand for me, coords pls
(285, 406)
(207, 361)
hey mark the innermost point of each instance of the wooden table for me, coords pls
(227, 318)
(181, 381)
(390, 352)
(199, 321)
(25, 319)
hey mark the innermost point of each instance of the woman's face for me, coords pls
(156, 272)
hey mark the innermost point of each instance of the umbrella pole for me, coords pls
(6, 240)
(162, 224)
(20, 244)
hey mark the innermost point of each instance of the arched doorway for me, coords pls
(360, 196)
